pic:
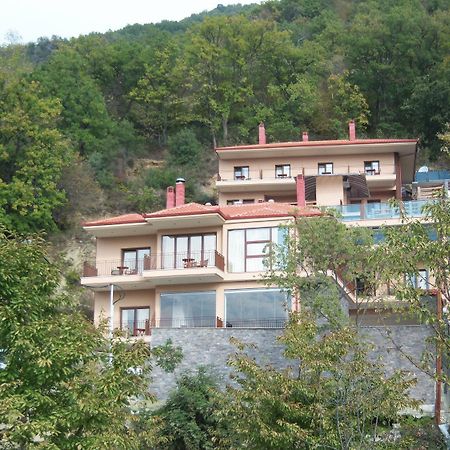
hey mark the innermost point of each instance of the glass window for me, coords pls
(247, 248)
(256, 308)
(325, 168)
(418, 280)
(135, 321)
(233, 202)
(241, 172)
(133, 260)
(372, 167)
(188, 309)
(282, 171)
(188, 251)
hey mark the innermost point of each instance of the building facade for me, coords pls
(191, 266)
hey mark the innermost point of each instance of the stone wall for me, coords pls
(211, 347)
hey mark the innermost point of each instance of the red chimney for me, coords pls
(301, 195)
(170, 197)
(180, 190)
(305, 136)
(351, 130)
(262, 133)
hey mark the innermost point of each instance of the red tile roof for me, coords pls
(229, 212)
(187, 209)
(118, 220)
(317, 143)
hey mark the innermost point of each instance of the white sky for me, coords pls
(31, 19)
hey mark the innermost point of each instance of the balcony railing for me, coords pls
(269, 174)
(382, 210)
(164, 261)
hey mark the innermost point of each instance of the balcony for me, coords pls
(155, 270)
(380, 211)
(268, 179)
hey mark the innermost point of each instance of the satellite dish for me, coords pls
(423, 169)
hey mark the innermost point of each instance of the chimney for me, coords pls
(301, 195)
(305, 137)
(170, 197)
(351, 130)
(262, 133)
(180, 190)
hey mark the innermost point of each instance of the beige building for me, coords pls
(194, 265)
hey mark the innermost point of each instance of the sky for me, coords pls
(31, 19)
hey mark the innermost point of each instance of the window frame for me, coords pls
(371, 170)
(136, 260)
(188, 251)
(241, 176)
(135, 328)
(323, 165)
(284, 173)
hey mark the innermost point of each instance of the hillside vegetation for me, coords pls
(103, 123)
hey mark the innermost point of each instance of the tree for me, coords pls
(187, 418)
(333, 395)
(33, 154)
(415, 259)
(58, 388)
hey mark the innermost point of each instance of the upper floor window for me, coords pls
(241, 173)
(325, 168)
(247, 248)
(233, 202)
(188, 251)
(133, 260)
(283, 171)
(245, 201)
(372, 167)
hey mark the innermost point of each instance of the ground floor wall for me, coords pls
(398, 347)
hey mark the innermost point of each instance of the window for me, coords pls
(133, 260)
(241, 173)
(135, 321)
(372, 167)
(256, 308)
(418, 280)
(247, 248)
(325, 168)
(188, 309)
(188, 251)
(245, 201)
(283, 171)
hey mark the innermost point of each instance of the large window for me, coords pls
(372, 167)
(188, 309)
(188, 251)
(133, 260)
(325, 168)
(241, 172)
(256, 308)
(135, 321)
(283, 171)
(247, 248)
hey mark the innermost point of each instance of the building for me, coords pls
(191, 272)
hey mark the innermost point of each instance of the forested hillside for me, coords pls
(104, 122)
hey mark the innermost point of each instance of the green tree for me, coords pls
(58, 388)
(187, 418)
(33, 154)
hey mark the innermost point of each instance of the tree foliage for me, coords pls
(58, 388)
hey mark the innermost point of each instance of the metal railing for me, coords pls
(382, 210)
(132, 328)
(269, 174)
(164, 261)
(275, 322)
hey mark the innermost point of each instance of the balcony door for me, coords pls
(133, 259)
(188, 251)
